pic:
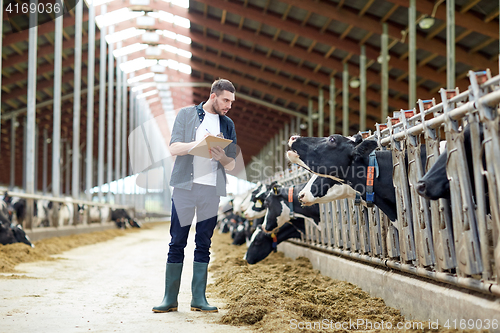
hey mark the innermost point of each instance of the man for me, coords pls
(198, 183)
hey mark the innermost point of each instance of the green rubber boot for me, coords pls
(198, 287)
(172, 285)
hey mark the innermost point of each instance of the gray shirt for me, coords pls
(184, 130)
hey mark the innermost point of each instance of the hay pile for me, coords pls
(278, 293)
(13, 254)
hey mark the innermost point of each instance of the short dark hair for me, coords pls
(220, 85)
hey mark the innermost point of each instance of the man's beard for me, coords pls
(216, 109)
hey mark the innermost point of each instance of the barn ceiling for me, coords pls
(281, 52)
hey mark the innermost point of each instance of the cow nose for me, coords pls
(292, 139)
(421, 188)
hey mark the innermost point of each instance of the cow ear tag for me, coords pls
(275, 190)
(258, 204)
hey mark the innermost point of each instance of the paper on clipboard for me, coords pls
(203, 147)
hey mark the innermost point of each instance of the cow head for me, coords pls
(261, 243)
(329, 156)
(21, 236)
(435, 184)
(278, 212)
(258, 209)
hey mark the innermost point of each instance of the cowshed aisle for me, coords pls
(105, 287)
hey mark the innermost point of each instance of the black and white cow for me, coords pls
(262, 243)
(435, 183)
(123, 219)
(256, 209)
(99, 214)
(16, 234)
(245, 230)
(343, 159)
(280, 220)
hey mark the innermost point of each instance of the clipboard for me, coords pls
(203, 147)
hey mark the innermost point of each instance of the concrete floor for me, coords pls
(105, 287)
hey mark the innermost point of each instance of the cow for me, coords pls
(65, 213)
(435, 183)
(4, 213)
(280, 221)
(16, 234)
(244, 231)
(347, 160)
(323, 189)
(123, 219)
(42, 213)
(256, 209)
(99, 214)
(262, 243)
(239, 237)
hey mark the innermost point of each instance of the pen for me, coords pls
(208, 131)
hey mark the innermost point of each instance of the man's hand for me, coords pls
(218, 154)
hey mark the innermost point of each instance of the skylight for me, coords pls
(124, 34)
(117, 16)
(140, 78)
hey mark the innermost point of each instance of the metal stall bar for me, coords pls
(491, 145)
(444, 246)
(450, 44)
(362, 89)
(67, 168)
(75, 174)
(412, 54)
(424, 244)
(332, 105)
(118, 116)
(384, 98)
(102, 108)
(310, 118)
(90, 103)
(111, 64)
(464, 218)
(345, 100)
(404, 221)
(13, 125)
(25, 148)
(56, 127)
(124, 134)
(132, 124)
(45, 160)
(321, 113)
(31, 115)
(1, 39)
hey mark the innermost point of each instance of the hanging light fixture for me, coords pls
(354, 83)
(426, 23)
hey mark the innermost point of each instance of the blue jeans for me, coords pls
(203, 200)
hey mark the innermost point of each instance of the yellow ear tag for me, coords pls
(258, 204)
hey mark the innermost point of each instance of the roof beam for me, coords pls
(43, 29)
(425, 71)
(369, 24)
(465, 20)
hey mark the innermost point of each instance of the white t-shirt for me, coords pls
(204, 169)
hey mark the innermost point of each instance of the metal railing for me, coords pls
(455, 241)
